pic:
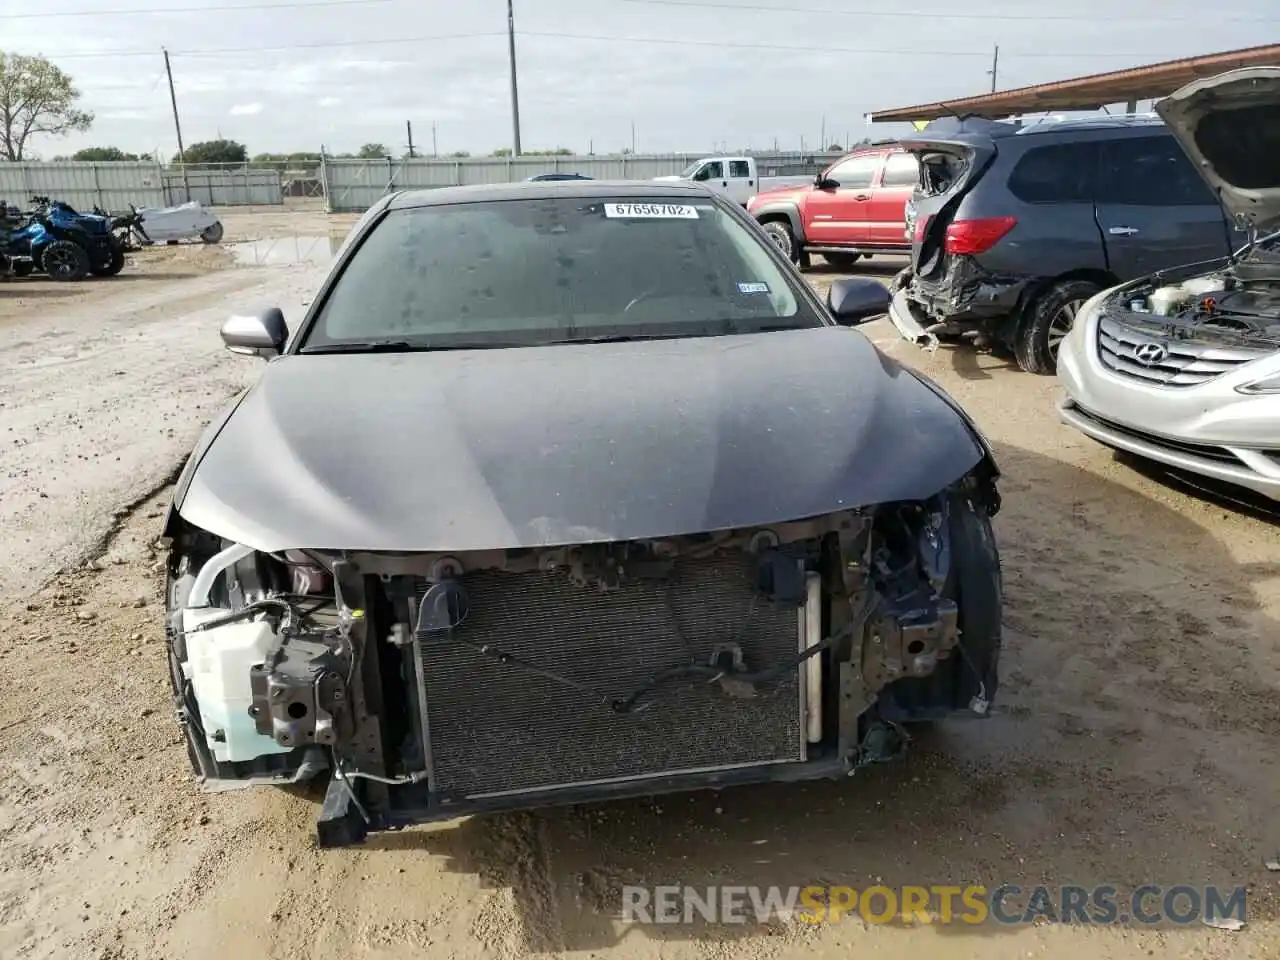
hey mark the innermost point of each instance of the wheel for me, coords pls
(212, 233)
(64, 261)
(114, 265)
(842, 261)
(1046, 322)
(779, 233)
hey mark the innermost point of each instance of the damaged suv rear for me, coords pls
(573, 491)
(1183, 367)
(1014, 228)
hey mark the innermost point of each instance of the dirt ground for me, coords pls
(1137, 737)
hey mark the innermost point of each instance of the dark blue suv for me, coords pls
(1014, 228)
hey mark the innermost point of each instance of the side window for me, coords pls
(900, 170)
(1057, 173)
(739, 169)
(1151, 172)
(855, 173)
(711, 171)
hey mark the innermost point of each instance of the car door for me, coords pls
(741, 182)
(886, 210)
(711, 174)
(837, 211)
(1154, 210)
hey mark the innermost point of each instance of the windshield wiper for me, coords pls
(404, 346)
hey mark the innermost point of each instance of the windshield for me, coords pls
(524, 272)
(690, 170)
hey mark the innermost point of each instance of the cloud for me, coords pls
(328, 101)
(245, 109)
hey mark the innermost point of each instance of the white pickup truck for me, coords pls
(736, 177)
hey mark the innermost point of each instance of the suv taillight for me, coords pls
(969, 237)
(922, 227)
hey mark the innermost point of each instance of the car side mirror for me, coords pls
(825, 183)
(855, 300)
(256, 335)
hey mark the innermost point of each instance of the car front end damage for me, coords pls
(432, 685)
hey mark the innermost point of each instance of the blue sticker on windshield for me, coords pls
(753, 288)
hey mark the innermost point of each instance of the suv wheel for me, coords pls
(1047, 322)
(780, 235)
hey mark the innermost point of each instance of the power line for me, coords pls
(614, 39)
(692, 4)
(810, 48)
(278, 49)
(940, 15)
(287, 5)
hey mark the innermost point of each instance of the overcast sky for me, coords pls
(691, 76)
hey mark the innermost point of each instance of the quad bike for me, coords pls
(93, 232)
(39, 245)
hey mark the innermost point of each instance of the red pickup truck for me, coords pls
(854, 208)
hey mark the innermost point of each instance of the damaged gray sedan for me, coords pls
(558, 494)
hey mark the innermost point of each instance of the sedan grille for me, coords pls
(493, 727)
(1166, 362)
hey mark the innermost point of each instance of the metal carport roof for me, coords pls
(1091, 92)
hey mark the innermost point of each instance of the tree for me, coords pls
(214, 151)
(35, 98)
(373, 151)
(104, 155)
(501, 152)
(835, 148)
(460, 154)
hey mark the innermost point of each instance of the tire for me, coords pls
(64, 261)
(113, 265)
(780, 235)
(212, 233)
(1046, 321)
(842, 261)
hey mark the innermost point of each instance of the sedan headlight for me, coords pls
(1269, 384)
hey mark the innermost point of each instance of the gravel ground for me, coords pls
(1136, 738)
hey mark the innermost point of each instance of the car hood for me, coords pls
(493, 449)
(1229, 125)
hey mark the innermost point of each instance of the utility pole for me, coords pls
(995, 67)
(408, 126)
(822, 137)
(177, 126)
(515, 95)
(434, 151)
(633, 137)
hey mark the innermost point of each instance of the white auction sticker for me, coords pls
(753, 288)
(651, 211)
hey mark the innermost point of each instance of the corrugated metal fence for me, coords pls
(223, 187)
(353, 186)
(348, 185)
(112, 186)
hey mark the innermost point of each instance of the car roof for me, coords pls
(546, 190)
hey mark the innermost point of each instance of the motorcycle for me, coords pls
(128, 228)
(187, 221)
(92, 231)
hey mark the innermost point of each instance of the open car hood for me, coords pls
(541, 446)
(1229, 125)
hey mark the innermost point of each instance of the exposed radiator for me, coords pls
(495, 727)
